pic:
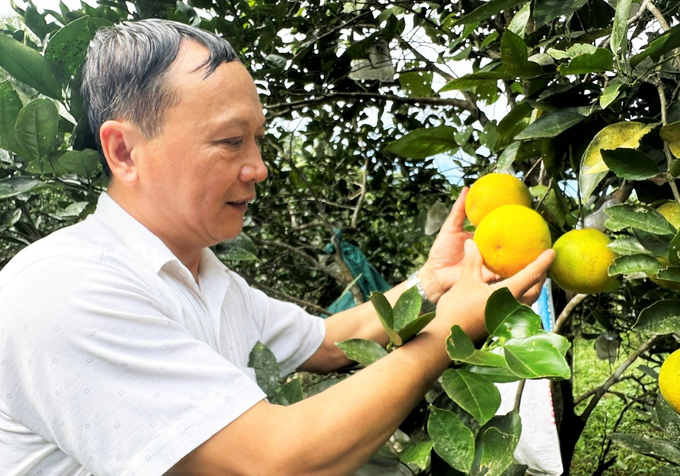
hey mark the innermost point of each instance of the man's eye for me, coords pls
(232, 142)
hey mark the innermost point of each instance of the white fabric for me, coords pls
(113, 361)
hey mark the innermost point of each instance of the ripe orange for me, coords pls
(510, 237)
(671, 212)
(582, 259)
(492, 191)
(669, 380)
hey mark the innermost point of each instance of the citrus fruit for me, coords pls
(510, 237)
(581, 262)
(492, 191)
(671, 212)
(669, 380)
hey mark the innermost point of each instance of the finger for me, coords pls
(533, 274)
(472, 262)
(456, 219)
(532, 294)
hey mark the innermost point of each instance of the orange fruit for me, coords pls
(582, 259)
(492, 191)
(669, 380)
(510, 237)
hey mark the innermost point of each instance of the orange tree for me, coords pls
(363, 99)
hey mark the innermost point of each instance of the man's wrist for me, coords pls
(414, 281)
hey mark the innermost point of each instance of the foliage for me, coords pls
(363, 99)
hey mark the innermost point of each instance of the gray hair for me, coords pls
(124, 72)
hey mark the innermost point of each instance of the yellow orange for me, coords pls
(492, 191)
(669, 380)
(582, 259)
(510, 237)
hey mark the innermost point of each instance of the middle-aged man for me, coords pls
(124, 341)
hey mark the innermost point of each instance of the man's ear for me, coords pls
(119, 140)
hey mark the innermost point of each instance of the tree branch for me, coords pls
(599, 392)
(287, 297)
(566, 312)
(666, 147)
(314, 263)
(362, 196)
(459, 103)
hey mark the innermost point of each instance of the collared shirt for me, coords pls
(115, 361)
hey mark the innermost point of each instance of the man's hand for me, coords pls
(445, 261)
(469, 295)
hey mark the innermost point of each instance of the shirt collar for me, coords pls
(146, 246)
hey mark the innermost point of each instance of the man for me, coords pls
(124, 341)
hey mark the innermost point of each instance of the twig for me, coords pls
(666, 147)
(314, 263)
(362, 196)
(285, 107)
(518, 395)
(566, 312)
(615, 377)
(287, 297)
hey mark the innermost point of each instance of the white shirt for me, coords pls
(114, 361)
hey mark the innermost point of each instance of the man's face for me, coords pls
(201, 170)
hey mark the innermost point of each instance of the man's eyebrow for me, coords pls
(238, 122)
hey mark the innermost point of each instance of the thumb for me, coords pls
(472, 262)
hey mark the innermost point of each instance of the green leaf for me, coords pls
(669, 419)
(662, 450)
(641, 217)
(619, 37)
(538, 356)
(506, 317)
(241, 248)
(418, 454)
(417, 84)
(288, 393)
(495, 445)
(519, 22)
(488, 10)
(619, 135)
(674, 250)
(508, 156)
(658, 245)
(641, 263)
(423, 143)
(599, 61)
(474, 393)
(495, 374)
(10, 105)
(552, 124)
(662, 317)
(671, 273)
(415, 326)
(472, 80)
(546, 11)
(13, 186)
(384, 311)
(451, 439)
(28, 66)
(363, 351)
(37, 127)
(406, 309)
(267, 372)
(513, 53)
(460, 348)
(610, 94)
(657, 48)
(84, 163)
(627, 246)
(630, 164)
(66, 49)
(670, 133)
